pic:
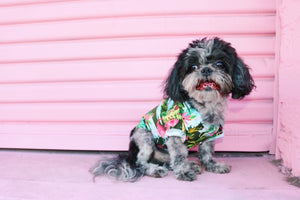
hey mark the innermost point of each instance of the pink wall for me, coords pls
(288, 139)
(80, 74)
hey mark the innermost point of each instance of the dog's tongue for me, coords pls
(206, 85)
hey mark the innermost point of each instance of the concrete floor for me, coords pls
(30, 175)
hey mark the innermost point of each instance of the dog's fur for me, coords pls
(210, 60)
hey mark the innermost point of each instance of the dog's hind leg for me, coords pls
(206, 151)
(144, 142)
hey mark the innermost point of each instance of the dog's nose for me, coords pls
(206, 71)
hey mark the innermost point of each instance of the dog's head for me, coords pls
(206, 70)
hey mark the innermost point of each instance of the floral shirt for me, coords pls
(171, 118)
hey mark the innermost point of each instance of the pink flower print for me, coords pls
(160, 128)
(186, 117)
(172, 123)
(213, 133)
(147, 116)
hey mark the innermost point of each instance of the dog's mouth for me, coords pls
(207, 85)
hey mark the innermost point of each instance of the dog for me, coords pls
(191, 114)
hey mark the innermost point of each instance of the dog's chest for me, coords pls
(211, 112)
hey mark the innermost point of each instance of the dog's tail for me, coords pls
(122, 167)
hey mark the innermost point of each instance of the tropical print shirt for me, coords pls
(171, 118)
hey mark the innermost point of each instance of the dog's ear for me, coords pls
(242, 80)
(173, 85)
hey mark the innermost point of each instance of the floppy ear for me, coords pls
(242, 80)
(173, 84)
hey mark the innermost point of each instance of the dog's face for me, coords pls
(207, 70)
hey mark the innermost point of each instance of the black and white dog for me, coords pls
(192, 114)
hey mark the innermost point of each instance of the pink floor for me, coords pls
(64, 175)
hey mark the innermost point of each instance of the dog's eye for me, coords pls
(194, 67)
(219, 65)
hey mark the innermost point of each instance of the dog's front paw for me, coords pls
(220, 168)
(159, 172)
(188, 171)
(186, 175)
(196, 167)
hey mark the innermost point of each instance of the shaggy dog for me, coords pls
(192, 114)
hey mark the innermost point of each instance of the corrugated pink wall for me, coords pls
(288, 141)
(80, 74)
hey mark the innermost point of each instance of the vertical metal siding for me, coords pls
(80, 74)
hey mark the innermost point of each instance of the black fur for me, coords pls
(173, 88)
(132, 154)
(242, 80)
